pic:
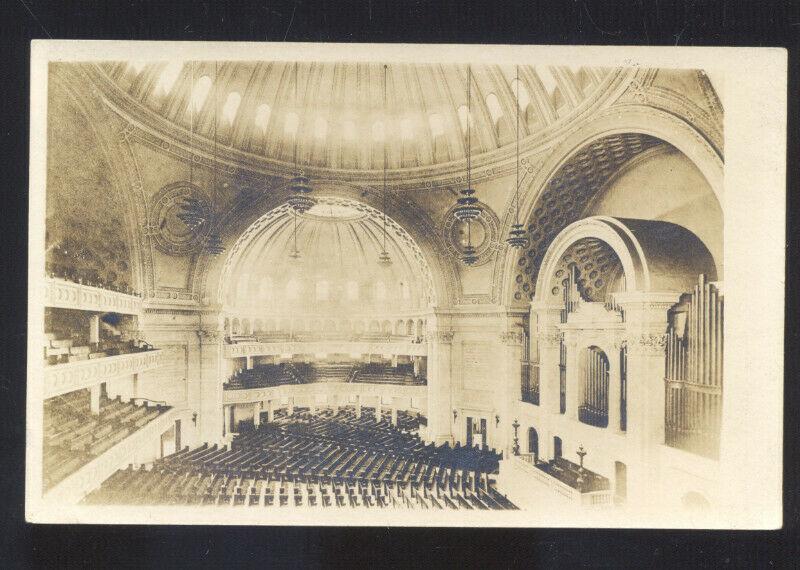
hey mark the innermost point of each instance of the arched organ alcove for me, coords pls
(626, 345)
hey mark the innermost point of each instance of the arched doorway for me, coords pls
(533, 444)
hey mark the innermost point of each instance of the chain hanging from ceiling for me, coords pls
(300, 185)
(384, 258)
(517, 238)
(191, 209)
(214, 241)
(467, 208)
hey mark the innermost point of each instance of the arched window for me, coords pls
(262, 116)
(521, 94)
(380, 291)
(292, 122)
(437, 126)
(405, 291)
(231, 107)
(293, 289)
(349, 129)
(377, 131)
(406, 129)
(464, 118)
(200, 92)
(352, 291)
(495, 110)
(265, 289)
(168, 77)
(323, 290)
(320, 128)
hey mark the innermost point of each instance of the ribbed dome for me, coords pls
(333, 114)
(339, 243)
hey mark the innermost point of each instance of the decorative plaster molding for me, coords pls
(63, 378)
(68, 295)
(648, 344)
(492, 242)
(442, 337)
(550, 339)
(512, 338)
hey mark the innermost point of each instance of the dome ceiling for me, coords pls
(334, 116)
(339, 241)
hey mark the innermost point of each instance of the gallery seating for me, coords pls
(73, 436)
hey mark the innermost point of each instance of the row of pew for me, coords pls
(332, 459)
(73, 435)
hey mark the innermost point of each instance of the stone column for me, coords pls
(135, 386)
(510, 390)
(290, 407)
(94, 399)
(440, 427)
(358, 407)
(227, 419)
(646, 325)
(208, 385)
(614, 386)
(394, 416)
(574, 374)
(394, 361)
(312, 404)
(415, 360)
(257, 414)
(248, 362)
(546, 344)
(378, 408)
(270, 411)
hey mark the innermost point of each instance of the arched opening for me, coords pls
(533, 444)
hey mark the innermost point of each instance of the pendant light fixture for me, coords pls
(214, 242)
(294, 254)
(467, 208)
(516, 237)
(300, 185)
(191, 211)
(384, 258)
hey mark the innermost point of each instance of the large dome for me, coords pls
(339, 242)
(333, 115)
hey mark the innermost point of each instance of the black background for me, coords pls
(641, 22)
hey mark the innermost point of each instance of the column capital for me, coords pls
(550, 339)
(647, 344)
(512, 338)
(442, 337)
(209, 336)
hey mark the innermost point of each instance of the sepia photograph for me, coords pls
(404, 285)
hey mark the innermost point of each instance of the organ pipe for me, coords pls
(694, 371)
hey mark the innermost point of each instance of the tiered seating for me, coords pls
(382, 374)
(330, 373)
(73, 436)
(571, 474)
(60, 351)
(264, 376)
(326, 460)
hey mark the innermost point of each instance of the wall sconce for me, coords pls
(455, 415)
(496, 420)
(194, 418)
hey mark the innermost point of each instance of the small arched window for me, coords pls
(262, 116)
(169, 75)
(323, 290)
(495, 110)
(200, 92)
(352, 291)
(464, 118)
(437, 126)
(377, 131)
(320, 128)
(380, 291)
(231, 107)
(292, 122)
(293, 289)
(406, 129)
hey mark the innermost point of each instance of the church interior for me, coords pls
(288, 285)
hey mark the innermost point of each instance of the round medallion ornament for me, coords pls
(172, 234)
(482, 232)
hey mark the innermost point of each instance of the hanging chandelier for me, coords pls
(467, 208)
(191, 210)
(294, 254)
(516, 236)
(299, 186)
(384, 258)
(213, 244)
